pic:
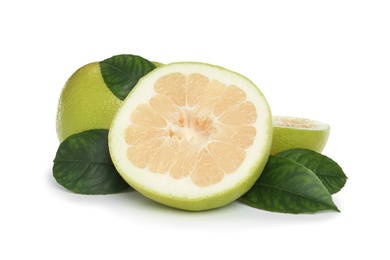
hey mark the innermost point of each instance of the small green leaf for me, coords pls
(288, 187)
(83, 164)
(329, 172)
(122, 72)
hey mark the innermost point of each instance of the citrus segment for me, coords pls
(231, 97)
(206, 171)
(227, 157)
(172, 86)
(186, 157)
(295, 132)
(196, 83)
(192, 135)
(244, 113)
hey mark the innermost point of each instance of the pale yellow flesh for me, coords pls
(192, 121)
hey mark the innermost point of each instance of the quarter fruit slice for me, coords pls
(295, 132)
(192, 136)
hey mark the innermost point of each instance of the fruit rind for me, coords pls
(313, 136)
(85, 93)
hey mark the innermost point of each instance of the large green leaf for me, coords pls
(122, 72)
(83, 164)
(288, 187)
(329, 172)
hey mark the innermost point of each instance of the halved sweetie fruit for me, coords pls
(296, 132)
(193, 136)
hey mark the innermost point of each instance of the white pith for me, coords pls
(184, 188)
(298, 123)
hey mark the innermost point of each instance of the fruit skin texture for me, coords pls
(285, 138)
(194, 201)
(85, 102)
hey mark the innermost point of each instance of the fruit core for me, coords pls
(192, 127)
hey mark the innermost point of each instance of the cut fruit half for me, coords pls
(192, 136)
(295, 132)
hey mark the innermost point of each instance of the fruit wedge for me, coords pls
(192, 136)
(296, 132)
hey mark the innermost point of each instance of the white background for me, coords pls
(325, 60)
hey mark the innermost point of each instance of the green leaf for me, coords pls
(83, 164)
(288, 187)
(122, 72)
(329, 172)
